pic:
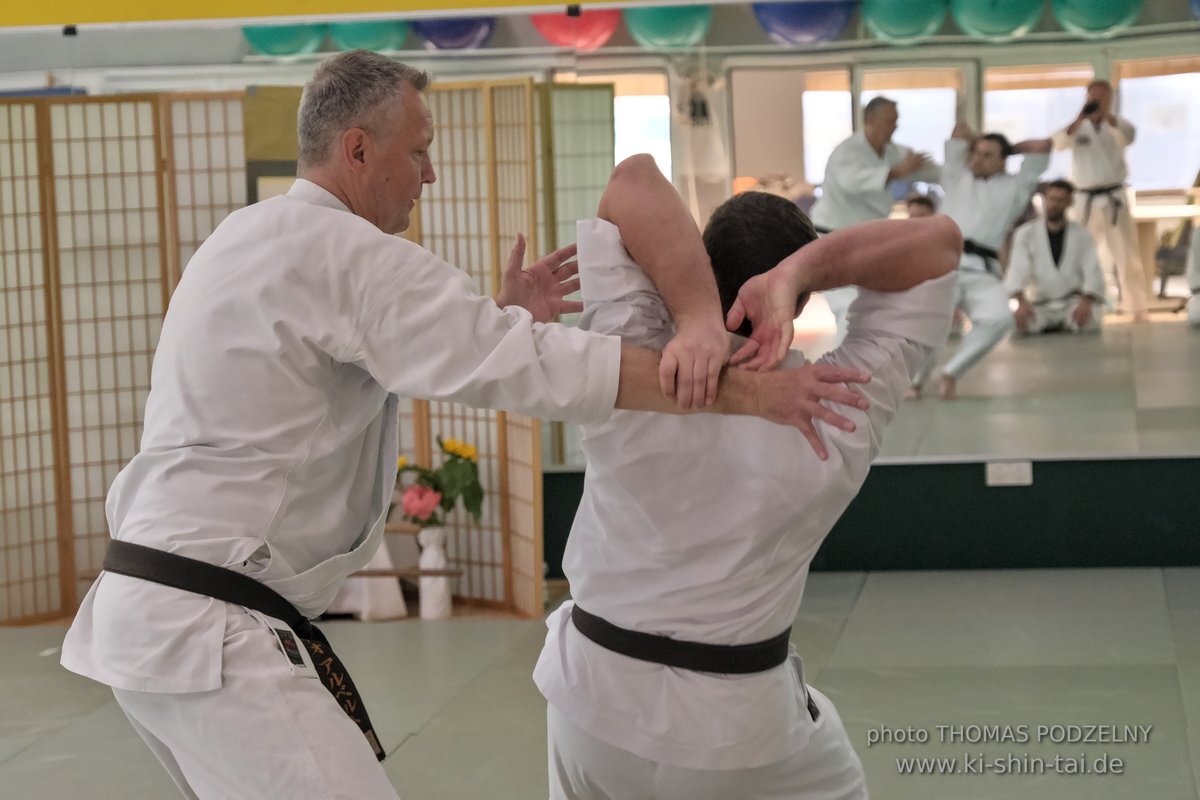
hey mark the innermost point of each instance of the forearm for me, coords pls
(661, 236)
(882, 256)
(638, 389)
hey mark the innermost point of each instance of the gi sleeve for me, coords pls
(1020, 261)
(618, 298)
(957, 151)
(1061, 140)
(426, 333)
(851, 173)
(1093, 276)
(1125, 131)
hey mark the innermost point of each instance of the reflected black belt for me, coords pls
(821, 229)
(991, 259)
(1116, 200)
(198, 577)
(726, 659)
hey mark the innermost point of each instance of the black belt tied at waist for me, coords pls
(199, 577)
(726, 659)
(991, 259)
(1116, 200)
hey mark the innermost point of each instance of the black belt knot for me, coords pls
(1116, 200)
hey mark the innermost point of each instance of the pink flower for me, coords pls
(420, 502)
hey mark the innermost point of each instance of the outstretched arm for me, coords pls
(661, 236)
(884, 256)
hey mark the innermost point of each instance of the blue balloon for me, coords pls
(285, 40)
(797, 23)
(460, 33)
(904, 21)
(378, 35)
(1195, 8)
(1096, 18)
(997, 20)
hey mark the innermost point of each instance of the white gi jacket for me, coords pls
(855, 188)
(1031, 267)
(1097, 152)
(270, 437)
(985, 208)
(702, 528)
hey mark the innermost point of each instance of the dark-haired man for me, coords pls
(984, 200)
(1053, 272)
(919, 205)
(670, 676)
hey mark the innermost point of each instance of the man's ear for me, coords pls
(354, 148)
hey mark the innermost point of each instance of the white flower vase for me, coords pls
(435, 590)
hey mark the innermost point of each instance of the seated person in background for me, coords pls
(1053, 270)
(670, 674)
(920, 205)
(1193, 279)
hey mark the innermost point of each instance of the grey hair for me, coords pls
(347, 91)
(875, 105)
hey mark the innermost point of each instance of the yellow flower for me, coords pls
(468, 452)
(401, 463)
(461, 449)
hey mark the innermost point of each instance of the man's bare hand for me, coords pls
(691, 363)
(793, 397)
(1082, 314)
(911, 163)
(768, 300)
(1023, 316)
(542, 289)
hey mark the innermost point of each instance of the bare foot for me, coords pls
(914, 393)
(948, 387)
(1140, 316)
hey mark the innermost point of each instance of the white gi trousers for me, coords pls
(266, 733)
(1058, 314)
(984, 300)
(585, 768)
(1117, 246)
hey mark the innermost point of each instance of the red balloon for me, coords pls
(586, 32)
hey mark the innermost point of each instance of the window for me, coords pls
(1032, 102)
(1162, 98)
(828, 119)
(927, 100)
(641, 113)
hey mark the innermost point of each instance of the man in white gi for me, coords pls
(857, 177)
(269, 451)
(1053, 272)
(670, 675)
(984, 200)
(1103, 202)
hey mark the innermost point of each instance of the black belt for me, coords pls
(726, 659)
(991, 259)
(199, 577)
(1116, 200)
(821, 229)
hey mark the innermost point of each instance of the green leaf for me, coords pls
(473, 500)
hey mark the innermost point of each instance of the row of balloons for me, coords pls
(667, 27)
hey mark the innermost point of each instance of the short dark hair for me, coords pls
(1061, 183)
(921, 200)
(1006, 148)
(875, 105)
(749, 234)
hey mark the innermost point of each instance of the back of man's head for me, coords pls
(749, 234)
(350, 90)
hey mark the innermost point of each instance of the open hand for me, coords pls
(793, 397)
(768, 300)
(691, 363)
(543, 287)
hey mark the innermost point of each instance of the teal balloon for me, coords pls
(379, 35)
(669, 27)
(1096, 18)
(904, 21)
(996, 20)
(285, 40)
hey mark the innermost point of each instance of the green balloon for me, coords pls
(904, 21)
(378, 35)
(669, 26)
(996, 20)
(285, 40)
(1096, 18)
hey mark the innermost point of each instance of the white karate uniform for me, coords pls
(1098, 159)
(1054, 290)
(1193, 279)
(270, 448)
(856, 190)
(984, 209)
(702, 528)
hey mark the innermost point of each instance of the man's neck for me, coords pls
(1056, 225)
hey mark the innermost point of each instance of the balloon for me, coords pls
(1195, 4)
(285, 40)
(1096, 18)
(669, 26)
(586, 32)
(460, 33)
(380, 35)
(796, 23)
(904, 21)
(996, 20)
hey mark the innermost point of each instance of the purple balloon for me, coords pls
(460, 33)
(797, 23)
